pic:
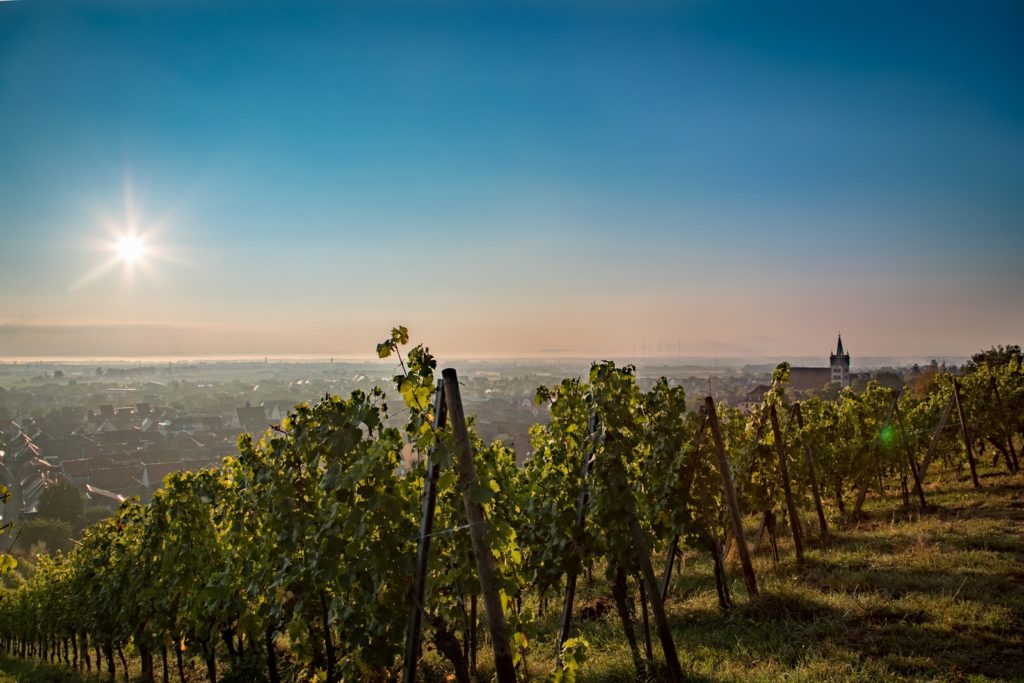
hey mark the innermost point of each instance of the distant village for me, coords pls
(118, 452)
(113, 447)
(116, 433)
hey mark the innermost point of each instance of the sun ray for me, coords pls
(131, 245)
(95, 273)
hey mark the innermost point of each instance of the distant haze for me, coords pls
(26, 343)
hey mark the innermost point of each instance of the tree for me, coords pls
(54, 534)
(62, 501)
(889, 378)
(997, 356)
(829, 392)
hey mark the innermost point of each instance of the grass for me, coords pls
(900, 595)
(13, 669)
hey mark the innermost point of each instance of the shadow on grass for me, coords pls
(954, 608)
(31, 671)
(895, 583)
(793, 628)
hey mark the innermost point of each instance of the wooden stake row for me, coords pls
(730, 496)
(581, 507)
(930, 453)
(689, 472)
(811, 474)
(448, 408)
(429, 504)
(873, 468)
(794, 515)
(448, 400)
(911, 460)
(965, 434)
(643, 557)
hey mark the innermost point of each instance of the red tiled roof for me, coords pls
(157, 471)
(116, 478)
(77, 468)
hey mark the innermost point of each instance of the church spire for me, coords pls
(840, 362)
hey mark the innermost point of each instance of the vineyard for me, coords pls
(322, 551)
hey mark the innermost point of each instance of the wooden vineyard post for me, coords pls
(648, 650)
(926, 463)
(639, 543)
(668, 646)
(787, 490)
(863, 492)
(1007, 433)
(429, 504)
(809, 463)
(570, 579)
(690, 472)
(670, 560)
(911, 460)
(472, 636)
(766, 527)
(730, 495)
(485, 566)
(767, 524)
(964, 433)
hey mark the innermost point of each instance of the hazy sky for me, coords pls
(512, 178)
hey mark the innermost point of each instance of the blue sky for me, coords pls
(513, 178)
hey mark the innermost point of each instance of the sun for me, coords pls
(130, 249)
(131, 245)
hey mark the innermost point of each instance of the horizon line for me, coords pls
(68, 359)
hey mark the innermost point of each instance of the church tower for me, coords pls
(840, 364)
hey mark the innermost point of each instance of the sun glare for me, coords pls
(130, 249)
(130, 245)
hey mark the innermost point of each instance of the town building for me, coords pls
(838, 370)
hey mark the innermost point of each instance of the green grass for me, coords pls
(13, 669)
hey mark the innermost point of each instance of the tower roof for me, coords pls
(839, 347)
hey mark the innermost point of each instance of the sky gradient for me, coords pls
(532, 178)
